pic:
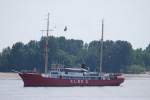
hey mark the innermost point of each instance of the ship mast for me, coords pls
(101, 49)
(46, 46)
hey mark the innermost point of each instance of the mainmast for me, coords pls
(101, 49)
(46, 46)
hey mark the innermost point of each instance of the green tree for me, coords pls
(5, 59)
(136, 69)
(146, 57)
(117, 55)
(17, 56)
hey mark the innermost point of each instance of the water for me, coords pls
(131, 89)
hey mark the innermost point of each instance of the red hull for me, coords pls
(35, 79)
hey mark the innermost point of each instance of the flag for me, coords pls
(65, 29)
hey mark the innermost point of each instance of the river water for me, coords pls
(131, 89)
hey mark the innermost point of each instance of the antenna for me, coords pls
(101, 49)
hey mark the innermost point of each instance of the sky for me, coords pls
(22, 20)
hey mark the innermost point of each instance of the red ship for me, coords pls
(71, 77)
(61, 76)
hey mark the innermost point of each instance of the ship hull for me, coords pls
(35, 80)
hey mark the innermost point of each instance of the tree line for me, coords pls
(118, 56)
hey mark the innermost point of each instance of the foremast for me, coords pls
(46, 46)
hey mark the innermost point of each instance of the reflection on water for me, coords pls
(131, 89)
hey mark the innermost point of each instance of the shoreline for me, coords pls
(11, 75)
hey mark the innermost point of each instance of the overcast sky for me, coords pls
(22, 20)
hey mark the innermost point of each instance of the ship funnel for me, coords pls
(84, 66)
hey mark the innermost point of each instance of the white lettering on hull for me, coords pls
(79, 81)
